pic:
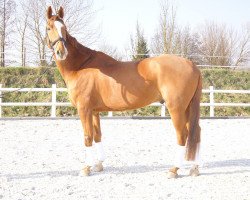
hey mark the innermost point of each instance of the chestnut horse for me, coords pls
(97, 82)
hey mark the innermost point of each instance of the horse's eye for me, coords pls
(48, 29)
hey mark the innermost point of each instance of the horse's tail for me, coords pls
(193, 122)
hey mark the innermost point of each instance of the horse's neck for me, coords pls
(77, 56)
(87, 51)
(80, 57)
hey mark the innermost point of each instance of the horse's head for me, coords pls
(56, 34)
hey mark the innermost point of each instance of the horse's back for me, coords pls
(173, 64)
(168, 69)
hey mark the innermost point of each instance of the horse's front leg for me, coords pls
(98, 142)
(85, 114)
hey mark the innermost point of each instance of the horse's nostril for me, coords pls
(58, 52)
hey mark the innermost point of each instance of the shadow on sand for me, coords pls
(240, 166)
(107, 170)
(137, 169)
(229, 163)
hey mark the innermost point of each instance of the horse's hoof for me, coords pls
(194, 171)
(172, 175)
(98, 167)
(86, 171)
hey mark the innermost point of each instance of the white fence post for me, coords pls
(211, 97)
(0, 101)
(110, 114)
(163, 110)
(53, 101)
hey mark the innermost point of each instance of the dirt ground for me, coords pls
(41, 159)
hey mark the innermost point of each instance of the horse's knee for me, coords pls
(88, 140)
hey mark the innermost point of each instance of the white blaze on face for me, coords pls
(59, 26)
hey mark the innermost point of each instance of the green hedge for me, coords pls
(17, 77)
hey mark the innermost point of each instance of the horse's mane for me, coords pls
(85, 50)
(82, 49)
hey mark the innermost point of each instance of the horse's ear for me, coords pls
(60, 12)
(49, 12)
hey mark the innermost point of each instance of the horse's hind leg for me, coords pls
(179, 118)
(98, 144)
(194, 171)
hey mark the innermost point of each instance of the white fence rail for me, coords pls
(53, 104)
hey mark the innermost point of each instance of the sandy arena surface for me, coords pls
(41, 159)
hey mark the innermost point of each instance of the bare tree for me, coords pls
(243, 47)
(170, 38)
(7, 7)
(78, 17)
(213, 44)
(216, 44)
(224, 46)
(166, 35)
(21, 27)
(188, 42)
(36, 29)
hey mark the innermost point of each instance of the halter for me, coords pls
(52, 44)
(57, 40)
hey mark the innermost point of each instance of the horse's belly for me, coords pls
(122, 99)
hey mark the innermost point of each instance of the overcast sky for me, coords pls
(118, 17)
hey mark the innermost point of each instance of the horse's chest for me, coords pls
(72, 93)
(77, 91)
(72, 97)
